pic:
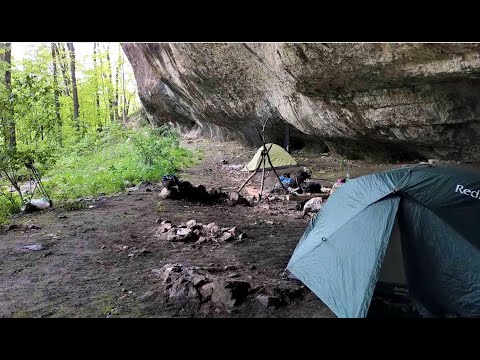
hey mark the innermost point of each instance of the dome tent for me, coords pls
(413, 226)
(279, 157)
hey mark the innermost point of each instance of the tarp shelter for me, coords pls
(417, 226)
(279, 157)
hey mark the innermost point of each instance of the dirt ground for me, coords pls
(101, 261)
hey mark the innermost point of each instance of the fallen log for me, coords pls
(302, 197)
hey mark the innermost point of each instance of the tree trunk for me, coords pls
(62, 60)
(10, 136)
(125, 102)
(110, 79)
(71, 49)
(117, 82)
(56, 93)
(97, 98)
(103, 87)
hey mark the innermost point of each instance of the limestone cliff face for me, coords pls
(401, 99)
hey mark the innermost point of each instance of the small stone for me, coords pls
(201, 240)
(172, 235)
(164, 226)
(164, 194)
(206, 291)
(252, 267)
(233, 275)
(227, 236)
(230, 267)
(191, 223)
(124, 247)
(124, 290)
(184, 234)
(433, 161)
(35, 247)
(268, 301)
(62, 216)
(103, 247)
(131, 255)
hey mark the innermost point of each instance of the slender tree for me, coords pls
(10, 133)
(110, 82)
(71, 50)
(62, 59)
(125, 100)
(97, 97)
(102, 73)
(116, 102)
(56, 92)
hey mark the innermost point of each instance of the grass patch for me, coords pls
(109, 162)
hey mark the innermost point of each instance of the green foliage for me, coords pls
(102, 156)
(113, 160)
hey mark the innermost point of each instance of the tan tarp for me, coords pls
(278, 156)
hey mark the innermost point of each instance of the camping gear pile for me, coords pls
(294, 185)
(409, 228)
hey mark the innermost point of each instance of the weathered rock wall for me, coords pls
(405, 100)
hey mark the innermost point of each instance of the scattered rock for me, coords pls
(433, 161)
(242, 236)
(231, 293)
(191, 223)
(164, 226)
(185, 234)
(34, 247)
(165, 193)
(206, 292)
(31, 227)
(227, 236)
(201, 240)
(269, 301)
(235, 198)
(172, 234)
(313, 205)
(195, 231)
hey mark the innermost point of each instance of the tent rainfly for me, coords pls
(279, 157)
(414, 226)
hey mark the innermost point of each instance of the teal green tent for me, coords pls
(417, 226)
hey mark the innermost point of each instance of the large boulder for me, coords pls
(402, 100)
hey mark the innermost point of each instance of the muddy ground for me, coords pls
(103, 261)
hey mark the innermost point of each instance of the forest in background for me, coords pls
(67, 116)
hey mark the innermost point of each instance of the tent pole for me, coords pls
(263, 178)
(270, 161)
(251, 176)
